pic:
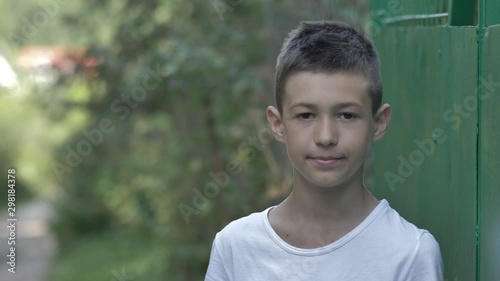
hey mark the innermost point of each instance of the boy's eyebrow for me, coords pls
(337, 106)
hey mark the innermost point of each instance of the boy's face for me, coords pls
(327, 126)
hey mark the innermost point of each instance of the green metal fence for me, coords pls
(439, 164)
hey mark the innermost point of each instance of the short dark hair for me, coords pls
(328, 46)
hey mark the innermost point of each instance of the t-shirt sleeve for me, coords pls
(216, 270)
(427, 262)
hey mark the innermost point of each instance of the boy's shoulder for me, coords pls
(393, 236)
(391, 225)
(244, 228)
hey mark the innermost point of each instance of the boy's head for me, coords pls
(329, 47)
(328, 99)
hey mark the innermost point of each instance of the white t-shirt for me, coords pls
(384, 247)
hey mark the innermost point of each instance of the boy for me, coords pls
(328, 111)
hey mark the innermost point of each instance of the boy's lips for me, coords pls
(325, 160)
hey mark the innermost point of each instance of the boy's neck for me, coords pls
(314, 217)
(351, 201)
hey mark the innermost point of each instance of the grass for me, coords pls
(111, 256)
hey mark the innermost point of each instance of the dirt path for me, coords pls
(35, 246)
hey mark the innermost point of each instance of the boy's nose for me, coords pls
(326, 133)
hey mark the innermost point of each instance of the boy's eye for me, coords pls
(305, 116)
(347, 116)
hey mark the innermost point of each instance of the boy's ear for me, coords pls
(382, 119)
(276, 123)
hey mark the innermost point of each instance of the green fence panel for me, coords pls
(490, 12)
(489, 154)
(489, 136)
(439, 163)
(426, 165)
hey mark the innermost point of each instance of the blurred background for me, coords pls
(137, 129)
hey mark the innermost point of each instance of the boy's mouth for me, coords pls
(326, 160)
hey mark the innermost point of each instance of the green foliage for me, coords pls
(164, 146)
